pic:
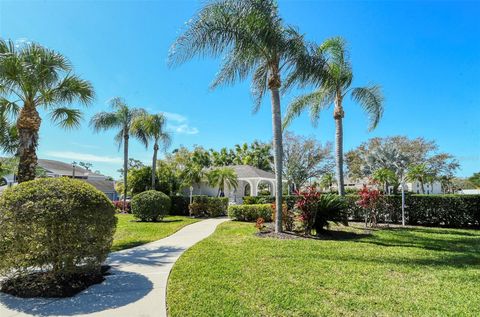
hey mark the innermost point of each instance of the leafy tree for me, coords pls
(385, 176)
(255, 41)
(475, 179)
(33, 77)
(327, 180)
(86, 165)
(152, 128)
(333, 82)
(222, 177)
(121, 119)
(304, 158)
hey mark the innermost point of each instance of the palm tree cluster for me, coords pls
(254, 41)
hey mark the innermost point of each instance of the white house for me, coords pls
(60, 169)
(250, 180)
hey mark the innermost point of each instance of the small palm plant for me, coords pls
(151, 127)
(121, 119)
(33, 77)
(223, 177)
(255, 42)
(333, 80)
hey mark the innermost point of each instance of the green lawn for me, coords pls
(131, 233)
(393, 272)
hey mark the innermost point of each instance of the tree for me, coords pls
(121, 119)
(132, 163)
(222, 177)
(192, 174)
(152, 128)
(385, 176)
(333, 82)
(418, 173)
(33, 77)
(475, 179)
(304, 158)
(327, 181)
(8, 132)
(255, 41)
(86, 165)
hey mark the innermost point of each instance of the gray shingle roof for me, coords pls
(247, 171)
(62, 168)
(102, 185)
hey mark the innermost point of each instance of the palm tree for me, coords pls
(419, 173)
(223, 177)
(152, 127)
(254, 40)
(327, 181)
(122, 119)
(31, 77)
(333, 80)
(385, 176)
(192, 174)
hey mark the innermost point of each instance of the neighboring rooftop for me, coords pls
(247, 171)
(64, 169)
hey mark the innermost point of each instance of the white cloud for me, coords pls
(84, 157)
(184, 129)
(180, 123)
(176, 117)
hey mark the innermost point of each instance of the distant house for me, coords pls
(413, 187)
(251, 181)
(53, 168)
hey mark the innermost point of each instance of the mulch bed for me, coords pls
(41, 284)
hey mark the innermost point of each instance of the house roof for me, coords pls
(64, 169)
(102, 185)
(247, 171)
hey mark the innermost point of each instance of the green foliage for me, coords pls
(428, 210)
(179, 205)
(330, 207)
(475, 179)
(140, 179)
(250, 212)
(222, 177)
(57, 225)
(204, 206)
(290, 200)
(151, 205)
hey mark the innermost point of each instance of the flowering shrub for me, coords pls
(260, 224)
(119, 206)
(370, 201)
(317, 209)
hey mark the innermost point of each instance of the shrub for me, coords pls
(119, 206)
(371, 201)
(290, 200)
(428, 210)
(151, 205)
(250, 212)
(57, 227)
(179, 205)
(317, 209)
(288, 217)
(204, 206)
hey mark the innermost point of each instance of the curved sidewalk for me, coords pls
(136, 287)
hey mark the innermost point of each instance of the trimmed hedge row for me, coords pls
(428, 210)
(250, 212)
(202, 204)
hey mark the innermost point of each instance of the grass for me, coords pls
(131, 233)
(391, 272)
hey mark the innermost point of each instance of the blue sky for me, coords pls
(426, 55)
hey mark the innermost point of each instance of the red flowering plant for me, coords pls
(307, 205)
(370, 200)
(260, 224)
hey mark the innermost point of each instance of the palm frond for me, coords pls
(104, 121)
(66, 118)
(70, 89)
(316, 100)
(371, 100)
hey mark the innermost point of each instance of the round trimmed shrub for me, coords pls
(58, 227)
(150, 205)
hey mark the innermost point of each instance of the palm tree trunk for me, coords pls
(28, 125)
(154, 164)
(338, 116)
(125, 168)
(422, 186)
(278, 152)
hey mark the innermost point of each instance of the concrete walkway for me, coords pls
(136, 287)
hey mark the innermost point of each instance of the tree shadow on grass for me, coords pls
(119, 289)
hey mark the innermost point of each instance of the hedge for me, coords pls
(290, 200)
(250, 212)
(150, 205)
(210, 206)
(427, 210)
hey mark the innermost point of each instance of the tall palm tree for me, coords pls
(152, 127)
(122, 119)
(192, 174)
(419, 173)
(223, 177)
(333, 80)
(254, 40)
(33, 77)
